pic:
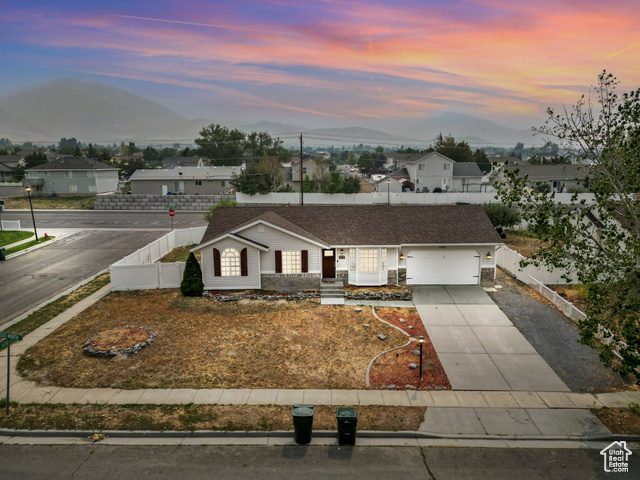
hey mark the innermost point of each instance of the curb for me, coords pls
(403, 435)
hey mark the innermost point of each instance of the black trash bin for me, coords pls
(347, 425)
(2, 254)
(303, 423)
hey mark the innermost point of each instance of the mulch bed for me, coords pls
(622, 421)
(392, 368)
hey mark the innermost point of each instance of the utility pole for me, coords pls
(301, 183)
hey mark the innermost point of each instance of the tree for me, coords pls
(598, 243)
(92, 152)
(67, 146)
(220, 145)
(150, 154)
(333, 183)
(352, 185)
(379, 149)
(264, 176)
(221, 203)
(458, 151)
(365, 162)
(502, 215)
(133, 165)
(480, 157)
(5, 142)
(191, 285)
(31, 160)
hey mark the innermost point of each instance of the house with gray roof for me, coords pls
(293, 248)
(71, 176)
(560, 178)
(183, 180)
(435, 172)
(171, 162)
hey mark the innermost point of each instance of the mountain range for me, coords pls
(99, 113)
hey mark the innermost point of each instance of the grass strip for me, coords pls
(264, 418)
(9, 237)
(55, 308)
(30, 244)
(58, 203)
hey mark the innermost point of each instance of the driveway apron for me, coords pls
(478, 346)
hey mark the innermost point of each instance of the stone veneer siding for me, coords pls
(291, 282)
(486, 277)
(392, 277)
(402, 276)
(343, 275)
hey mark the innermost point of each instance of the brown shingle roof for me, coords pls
(366, 224)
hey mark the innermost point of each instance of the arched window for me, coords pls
(230, 262)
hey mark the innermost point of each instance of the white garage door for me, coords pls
(443, 267)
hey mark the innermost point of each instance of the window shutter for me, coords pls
(216, 263)
(244, 268)
(305, 261)
(278, 261)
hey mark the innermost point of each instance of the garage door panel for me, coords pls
(443, 268)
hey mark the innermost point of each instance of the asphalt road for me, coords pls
(98, 462)
(103, 219)
(29, 279)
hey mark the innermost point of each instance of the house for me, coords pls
(559, 177)
(436, 172)
(183, 180)
(171, 162)
(386, 184)
(293, 248)
(315, 168)
(7, 165)
(70, 176)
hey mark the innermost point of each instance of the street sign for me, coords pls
(171, 207)
(12, 337)
(172, 213)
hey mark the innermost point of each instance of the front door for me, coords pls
(329, 263)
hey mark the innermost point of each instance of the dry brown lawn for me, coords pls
(199, 417)
(204, 344)
(525, 246)
(179, 254)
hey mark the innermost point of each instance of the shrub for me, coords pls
(501, 215)
(222, 203)
(191, 285)
(542, 187)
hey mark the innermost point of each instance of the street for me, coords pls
(24, 462)
(102, 238)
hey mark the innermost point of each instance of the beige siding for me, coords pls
(212, 282)
(277, 240)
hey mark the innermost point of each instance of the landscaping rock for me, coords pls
(382, 337)
(391, 387)
(410, 387)
(357, 309)
(413, 366)
(416, 353)
(366, 326)
(402, 320)
(410, 327)
(438, 387)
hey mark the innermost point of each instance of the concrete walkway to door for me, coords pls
(478, 346)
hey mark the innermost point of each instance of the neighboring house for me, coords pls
(387, 184)
(316, 168)
(434, 170)
(183, 180)
(293, 248)
(560, 178)
(7, 164)
(69, 176)
(171, 162)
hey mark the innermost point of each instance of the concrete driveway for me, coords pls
(478, 346)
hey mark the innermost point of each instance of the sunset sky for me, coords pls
(331, 62)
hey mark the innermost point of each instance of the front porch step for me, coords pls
(331, 291)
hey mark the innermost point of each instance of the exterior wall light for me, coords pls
(489, 256)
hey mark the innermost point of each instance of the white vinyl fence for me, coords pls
(509, 260)
(139, 271)
(382, 198)
(10, 225)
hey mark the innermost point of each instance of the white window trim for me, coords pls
(368, 260)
